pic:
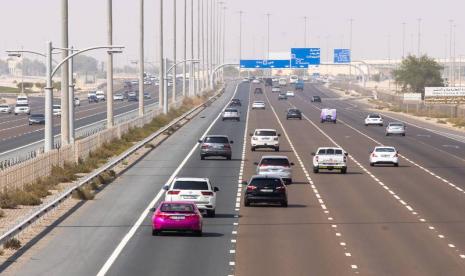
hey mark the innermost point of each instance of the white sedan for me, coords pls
(256, 81)
(290, 93)
(374, 119)
(384, 155)
(192, 189)
(258, 105)
(118, 97)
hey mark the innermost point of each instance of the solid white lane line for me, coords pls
(109, 262)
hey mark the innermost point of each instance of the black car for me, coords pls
(268, 82)
(235, 102)
(282, 96)
(293, 113)
(38, 119)
(133, 98)
(315, 99)
(258, 90)
(265, 189)
(92, 99)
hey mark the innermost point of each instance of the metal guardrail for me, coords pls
(29, 151)
(109, 165)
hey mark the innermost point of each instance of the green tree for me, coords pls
(415, 73)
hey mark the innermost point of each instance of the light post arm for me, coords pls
(80, 52)
(182, 61)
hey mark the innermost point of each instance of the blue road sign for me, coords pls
(303, 57)
(264, 64)
(341, 55)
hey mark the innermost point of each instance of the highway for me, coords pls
(382, 220)
(15, 131)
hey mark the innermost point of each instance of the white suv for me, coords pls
(192, 189)
(265, 138)
(22, 100)
(274, 165)
(56, 110)
(22, 109)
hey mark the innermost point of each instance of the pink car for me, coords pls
(177, 216)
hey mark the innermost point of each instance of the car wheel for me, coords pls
(202, 157)
(284, 203)
(155, 232)
(222, 119)
(372, 164)
(246, 203)
(276, 149)
(322, 121)
(366, 124)
(228, 157)
(344, 170)
(396, 164)
(380, 125)
(334, 121)
(252, 148)
(387, 134)
(315, 170)
(238, 120)
(198, 233)
(403, 134)
(300, 118)
(16, 113)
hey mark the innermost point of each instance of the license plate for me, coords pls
(189, 197)
(178, 217)
(266, 190)
(384, 155)
(218, 147)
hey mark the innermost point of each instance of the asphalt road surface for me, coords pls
(383, 220)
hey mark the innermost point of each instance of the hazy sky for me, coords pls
(29, 23)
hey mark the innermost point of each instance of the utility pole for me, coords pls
(48, 129)
(240, 40)
(202, 66)
(173, 90)
(224, 42)
(191, 70)
(71, 99)
(207, 45)
(305, 32)
(161, 88)
(268, 36)
(403, 40)
(184, 52)
(141, 59)
(212, 10)
(419, 37)
(197, 83)
(351, 20)
(64, 76)
(451, 23)
(109, 99)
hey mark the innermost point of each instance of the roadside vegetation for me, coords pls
(33, 193)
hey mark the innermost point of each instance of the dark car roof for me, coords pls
(37, 115)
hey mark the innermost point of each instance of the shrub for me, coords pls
(12, 243)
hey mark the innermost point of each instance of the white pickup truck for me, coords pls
(330, 158)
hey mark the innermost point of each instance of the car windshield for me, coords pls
(216, 139)
(396, 124)
(265, 133)
(3, 106)
(316, 97)
(385, 150)
(37, 116)
(190, 185)
(56, 106)
(374, 116)
(329, 151)
(266, 182)
(230, 110)
(22, 105)
(275, 162)
(293, 111)
(177, 207)
(258, 102)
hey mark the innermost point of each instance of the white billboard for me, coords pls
(412, 97)
(452, 95)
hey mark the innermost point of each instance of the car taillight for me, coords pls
(254, 138)
(374, 155)
(162, 215)
(226, 146)
(251, 188)
(207, 193)
(281, 189)
(345, 159)
(276, 138)
(205, 146)
(173, 192)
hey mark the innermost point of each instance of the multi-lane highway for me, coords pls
(383, 220)
(15, 131)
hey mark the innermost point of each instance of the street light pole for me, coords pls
(268, 36)
(109, 99)
(240, 40)
(71, 99)
(191, 70)
(224, 42)
(141, 59)
(212, 11)
(161, 86)
(184, 52)
(202, 66)
(305, 32)
(64, 76)
(403, 40)
(351, 20)
(173, 90)
(48, 129)
(198, 88)
(419, 36)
